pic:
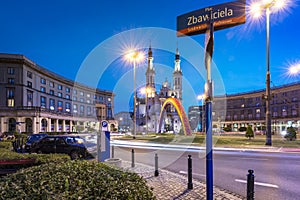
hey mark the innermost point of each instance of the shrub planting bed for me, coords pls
(74, 180)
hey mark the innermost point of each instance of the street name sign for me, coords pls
(222, 16)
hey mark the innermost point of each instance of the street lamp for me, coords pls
(256, 10)
(294, 69)
(135, 57)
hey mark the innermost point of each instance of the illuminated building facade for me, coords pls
(35, 100)
(249, 108)
(149, 107)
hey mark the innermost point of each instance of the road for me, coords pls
(277, 174)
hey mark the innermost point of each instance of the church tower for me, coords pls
(177, 77)
(150, 73)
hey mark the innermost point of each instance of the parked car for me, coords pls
(71, 145)
(32, 139)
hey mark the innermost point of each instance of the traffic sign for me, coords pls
(104, 125)
(222, 16)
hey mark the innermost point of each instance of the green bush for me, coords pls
(74, 180)
(5, 145)
(7, 154)
(249, 132)
(290, 134)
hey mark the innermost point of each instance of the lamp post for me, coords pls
(134, 56)
(256, 11)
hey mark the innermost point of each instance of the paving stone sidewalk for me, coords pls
(169, 185)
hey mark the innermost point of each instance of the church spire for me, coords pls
(177, 61)
(150, 73)
(177, 76)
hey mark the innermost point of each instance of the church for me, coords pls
(149, 107)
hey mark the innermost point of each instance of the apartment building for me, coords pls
(241, 109)
(34, 99)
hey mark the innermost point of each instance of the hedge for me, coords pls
(6, 153)
(74, 180)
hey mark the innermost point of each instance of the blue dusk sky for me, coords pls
(75, 38)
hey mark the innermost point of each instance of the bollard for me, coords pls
(190, 178)
(156, 165)
(132, 158)
(112, 151)
(250, 185)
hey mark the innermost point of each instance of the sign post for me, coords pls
(208, 20)
(103, 142)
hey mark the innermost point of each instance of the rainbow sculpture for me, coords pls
(180, 110)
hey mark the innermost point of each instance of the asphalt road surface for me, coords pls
(277, 175)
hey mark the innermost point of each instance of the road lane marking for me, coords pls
(254, 159)
(258, 183)
(184, 172)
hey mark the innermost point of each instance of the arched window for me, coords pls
(28, 123)
(11, 125)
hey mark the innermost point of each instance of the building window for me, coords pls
(101, 98)
(51, 92)
(88, 95)
(284, 111)
(109, 114)
(81, 93)
(95, 97)
(51, 84)
(43, 102)
(29, 74)
(108, 99)
(11, 81)
(75, 108)
(29, 98)
(43, 81)
(29, 84)
(59, 94)
(68, 107)
(59, 106)
(74, 91)
(88, 110)
(68, 89)
(67, 96)
(10, 70)
(81, 110)
(74, 98)
(88, 101)
(10, 97)
(81, 100)
(43, 89)
(52, 104)
(59, 87)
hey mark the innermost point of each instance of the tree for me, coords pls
(290, 134)
(249, 132)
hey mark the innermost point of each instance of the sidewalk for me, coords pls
(169, 185)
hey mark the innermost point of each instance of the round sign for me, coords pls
(104, 124)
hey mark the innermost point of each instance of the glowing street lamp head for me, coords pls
(134, 56)
(257, 7)
(294, 69)
(256, 10)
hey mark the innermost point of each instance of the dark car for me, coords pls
(71, 145)
(32, 139)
